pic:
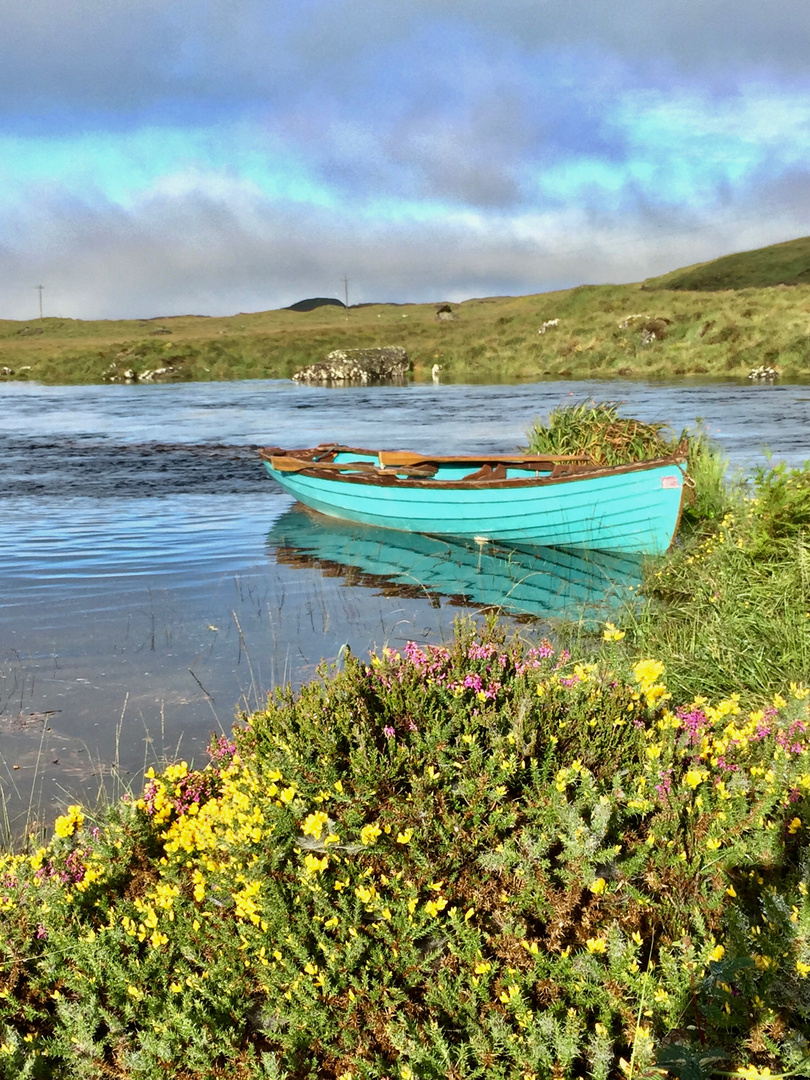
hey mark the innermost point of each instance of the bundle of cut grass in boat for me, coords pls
(595, 428)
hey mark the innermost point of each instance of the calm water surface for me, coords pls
(153, 578)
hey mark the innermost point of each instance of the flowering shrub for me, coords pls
(484, 860)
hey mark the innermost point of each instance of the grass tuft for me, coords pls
(596, 429)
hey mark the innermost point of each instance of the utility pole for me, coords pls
(346, 290)
(40, 287)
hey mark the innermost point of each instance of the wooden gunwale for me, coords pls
(396, 459)
(388, 477)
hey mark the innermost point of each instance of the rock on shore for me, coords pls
(387, 364)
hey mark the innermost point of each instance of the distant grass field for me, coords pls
(661, 329)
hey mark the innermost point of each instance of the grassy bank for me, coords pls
(669, 334)
(730, 608)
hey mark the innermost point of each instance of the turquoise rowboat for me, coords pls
(515, 499)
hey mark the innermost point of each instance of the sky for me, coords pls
(164, 157)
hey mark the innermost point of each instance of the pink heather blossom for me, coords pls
(693, 723)
(665, 786)
(480, 652)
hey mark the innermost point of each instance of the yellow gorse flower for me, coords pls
(314, 865)
(369, 834)
(433, 907)
(647, 672)
(245, 906)
(584, 672)
(314, 824)
(69, 823)
(610, 633)
(694, 777)
(365, 893)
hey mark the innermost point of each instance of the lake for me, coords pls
(155, 580)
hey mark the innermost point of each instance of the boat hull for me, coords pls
(628, 509)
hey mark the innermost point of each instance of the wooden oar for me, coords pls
(290, 464)
(389, 458)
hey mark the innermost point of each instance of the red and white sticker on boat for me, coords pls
(670, 481)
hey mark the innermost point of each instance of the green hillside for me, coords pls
(779, 264)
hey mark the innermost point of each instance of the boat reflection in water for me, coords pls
(537, 582)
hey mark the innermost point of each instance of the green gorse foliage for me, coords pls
(781, 502)
(479, 860)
